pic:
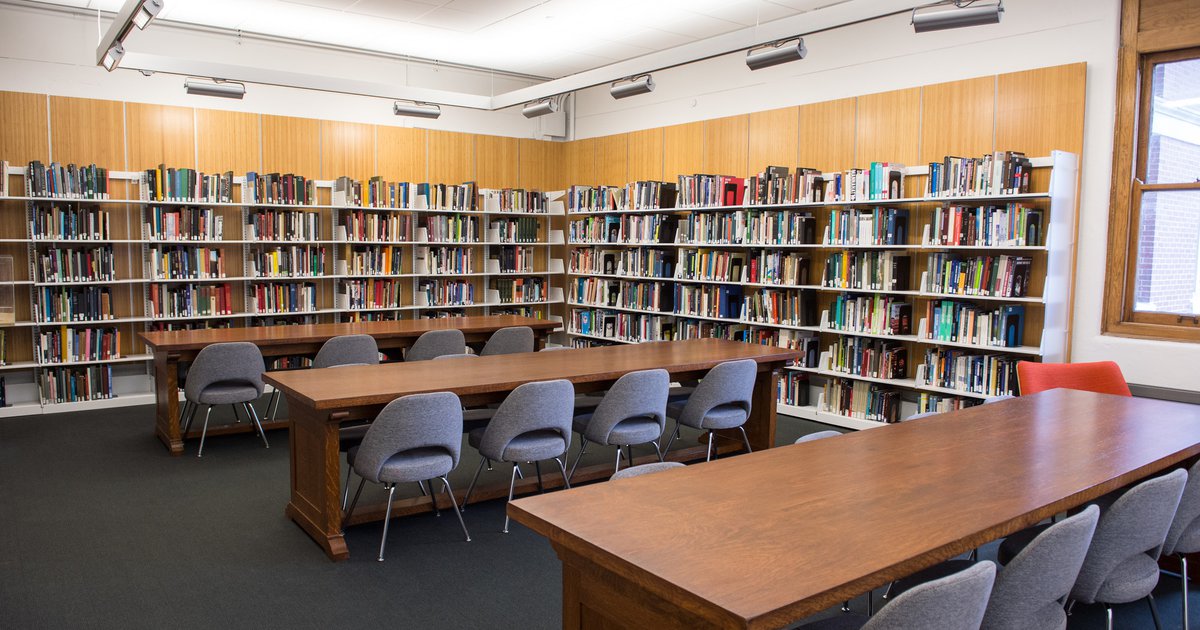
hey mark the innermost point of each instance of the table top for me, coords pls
(763, 539)
(353, 386)
(316, 333)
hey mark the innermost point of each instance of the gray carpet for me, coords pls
(102, 529)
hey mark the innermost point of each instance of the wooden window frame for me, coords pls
(1138, 54)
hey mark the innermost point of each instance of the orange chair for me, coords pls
(1102, 377)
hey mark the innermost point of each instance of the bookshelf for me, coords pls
(625, 283)
(97, 270)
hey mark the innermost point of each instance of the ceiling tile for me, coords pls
(454, 20)
(405, 10)
(751, 13)
(337, 5)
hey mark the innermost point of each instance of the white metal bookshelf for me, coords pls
(1057, 202)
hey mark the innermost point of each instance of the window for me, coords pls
(1153, 284)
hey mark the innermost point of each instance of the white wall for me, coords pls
(54, 52)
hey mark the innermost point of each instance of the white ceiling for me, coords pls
(547, 38)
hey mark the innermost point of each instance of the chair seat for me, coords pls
(418, 464)
(350, 437)
(722, 417)
(528, 447)
(840, 621)
(228, 393)
(646, 469)
(1130, 581)
(627, 432)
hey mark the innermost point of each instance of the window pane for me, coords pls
(1168, 258)
(1174, 152)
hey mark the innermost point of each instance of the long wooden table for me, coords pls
(320, 400)
(172, 347)
(762, 540)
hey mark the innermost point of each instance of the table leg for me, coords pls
(166, 395)
(316, 502)
(539, 340)
(760, 428)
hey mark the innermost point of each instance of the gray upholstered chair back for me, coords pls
(456, 356)
(347, 350)
(509, 341)
(234, 362)
(426, 421)
(1029, 590)
(955, 602)
(436, 343)
(819, 435)
(727, 385)
(1187, 518)
(645, 469)
(555, 348)
(540, 406)
(635, 395)
(1135, 525)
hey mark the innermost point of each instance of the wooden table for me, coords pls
(175, 346)
(763, 540)
(320, 400)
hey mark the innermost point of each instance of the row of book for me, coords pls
(284, 297)
(793, 389)
(361, 226)
(447, 292)
(766, 227)
(871, 358)
(374, 293)
(515, 200)
(957, 322)
(635, 327)
(880, 226)
(185, 184)
(72, 304)
(517, 229)
(189, 300)
(64, 182)
(788, 308)
(70, 224)
(994, 276)
(514, 259)
(452, 228)
(274, 188)
(871, 314)
(445, 260)
(861, 399)
(983, 374)
(517, 290)
(999, 173)
(283, 225)
(868, 271)
(75, 384)
(184, 224)
(70, 345)
(939, 403)
(70, 264)
(293, 261)
(986, 226)
(176, 262)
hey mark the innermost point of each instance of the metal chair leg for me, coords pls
(421, 486)
(1154, 612)
(350, 510)
(471, 488)
(433, 499)
(888, 592)
(511, 484)
(628, 453)
(846, 606)
(346, 491)
(272, 406)
(582, 449)
(657, 451)
(387, 517)
(1183, 574)
(254, 415)
(671, 440)
(187, 426)
(563, 467)
(204, 432)
(183, 412)
(617, 468)
(537, 467)
(708, 458)
(1108, 617)
(454, 502)
(745, 439)
(237, 418)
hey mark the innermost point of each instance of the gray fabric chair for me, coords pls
(224, 374)
(634, 411)
(1184, 536)
(414, 438)
(819, 435)
(509, 341)
(436, 343)
(456, 356)
(1122, 563)
(347, 350)
(721, 401)
(532, 424)
(682, 391)
(1030, 589)
(583, 402)
(955, 602)
(645, 469)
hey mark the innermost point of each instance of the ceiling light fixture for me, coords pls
(641, 84)
(418, 110)
(133, 13)
(775, 53)
(217, 87)
(533, 109)
(956, 14)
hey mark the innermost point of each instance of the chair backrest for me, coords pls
(418, 421)
(1102, 377)
(436, 343)
(955, 602)
(347, 350)
(645, 469)
(1187, 517)
(509, 341)
(1133, 529)
(237, 362)
(1029, 590)
(456, 356)
(819, 435)
(635, 395)
(555, 348)
(727, 385)
(540, 406)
